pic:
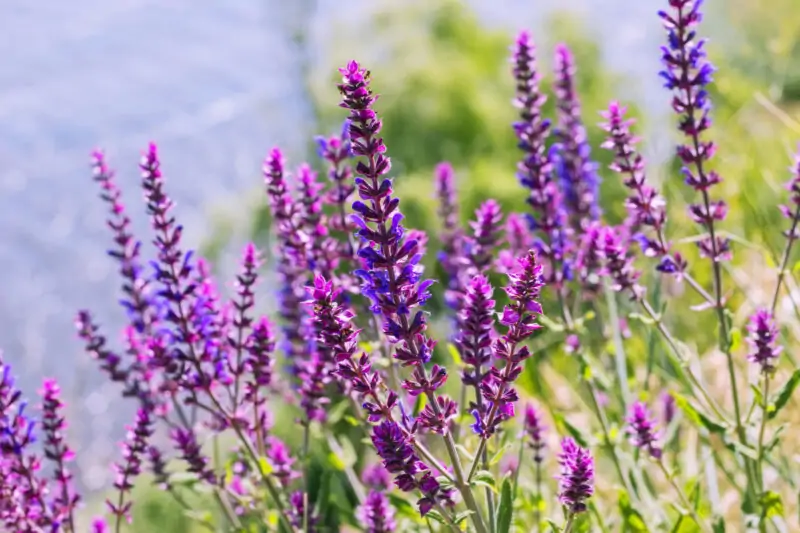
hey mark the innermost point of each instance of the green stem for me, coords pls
(682, 497)
(681, 362)
(306, 443)
(619, 348)
(569, 523)
(762, 523)
(607, 439)
(785, 261)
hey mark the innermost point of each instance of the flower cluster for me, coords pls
(642, 431)
(576, 481)
(763, 340)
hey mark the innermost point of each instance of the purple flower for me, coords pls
(243, 305)
(58, 452)
(136, 288)
(260, 347)
(535, 171)
(578, 174)
(99, 526)
(534, 427)
(185, 441)
(576, 480)
(687, 72)
(642, 430)
(668, 408)
(392, 274)
(23, 493)
(133, 450)
(314, 376)
(486, 235)
(281, 460)
(520, 319)
(322, 252)
(297, 513)
(410, 473)
(645, 206)
(618, 263)
(291, 257)
(762, 336)
(375, 476)
(792, 212)
(451, 233)
(336, 151)
(519, 240)
(334, 323)
(475, 325)
(376, 513)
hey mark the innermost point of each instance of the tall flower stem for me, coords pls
(787, 254)
(760, 450)
(619, 348)
(569, 523)
(612, 450)
(682, 497)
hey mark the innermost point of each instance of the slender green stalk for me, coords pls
(683, 499)
(762, 523)
(306, 443)
(538, 510)
(569, 523)
(619, 348)
(787, 253)
(355, 483)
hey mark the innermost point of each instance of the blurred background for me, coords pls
(216, 84)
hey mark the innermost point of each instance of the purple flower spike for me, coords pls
(334, 323)
(297, 513)
(57, 451)
(282, 461)
(451, 232)
(486, 234)
(534, 428)
(520, 319)
(133, 450)
(578, 174)
(336, 152)
(186, 442)
(792, 211)
(410, 473)
(576, 481)
(136, 288)
(392, 274)
(668, 408)
(618, 264)
(535, 171)
(763, 340)
(646, 208)
(375, 476)
(376, 513)
(519, 240)
(642, 430)
(687, 73)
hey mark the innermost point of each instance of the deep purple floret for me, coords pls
(646, 208)
(687, 74)
(297, 513)
(138, 294)
(334, 323)
(376, 513)
(133, 454)
(576, 480)
(792, 211)
(762, 336)
(57, 451)
(534, 427)
(475, 325)
(642, 430)
(282, 461)
(535, 171)
(575, 169)
(392, 274)
(410, 472)
(451, 232)
(618, 263)
(519, 316)
(197, 463)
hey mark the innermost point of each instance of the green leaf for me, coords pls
(641, 318)
(738, 447)
(454, 355)
(505, 509)
(336, 462)
(736, 339)
(436, 517)
(462, 516)
(498, 456)
(785, 394)
(484, 477)
(337, 412)
(573, 431)
(632, 519)
(554, 528)
(771, 503)
(718, 526)
(759, 396)
(697, 417)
